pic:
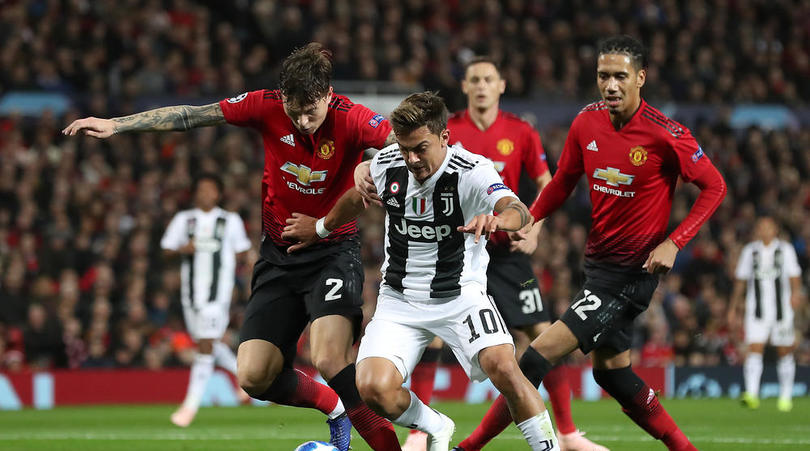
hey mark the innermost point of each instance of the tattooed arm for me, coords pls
(170, 118)
(391, 139)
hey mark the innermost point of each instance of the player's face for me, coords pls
(423, 151)
(766, 229)
(483, 86)
(307, 118)
(619, 83)
(207, 194)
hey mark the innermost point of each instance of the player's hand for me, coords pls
(795, 300)
(661, 258)
(91, 126)
(187, 249)
(524, 240)
(481, 224)
(300, 228)
(364, 184)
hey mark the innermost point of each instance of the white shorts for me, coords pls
(210, 321)
(778, 333)
(400, 330)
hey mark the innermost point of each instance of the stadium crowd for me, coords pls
(84, 282)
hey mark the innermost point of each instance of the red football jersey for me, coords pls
(631, 176)
(510, 142)
(306, 173)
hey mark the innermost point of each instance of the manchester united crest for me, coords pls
(638, 155)
(326, 149)
(505, 146)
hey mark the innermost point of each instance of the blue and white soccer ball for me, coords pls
(315, 446)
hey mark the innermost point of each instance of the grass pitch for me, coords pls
(717, 424)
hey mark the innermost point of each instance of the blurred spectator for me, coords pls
(80, 219)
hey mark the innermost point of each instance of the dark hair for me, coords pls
(482, 59)
(423, 108)
(625, 45)
(210, 176)
(306, 74)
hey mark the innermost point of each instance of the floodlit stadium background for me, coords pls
(84, 285)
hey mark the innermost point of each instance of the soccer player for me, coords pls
(313, 139)
(434, 276)
(208, 239)
(513, 146)
(768, 272)
(632, 156)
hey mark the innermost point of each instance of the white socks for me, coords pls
(201, 371)
(786, 370)
(540, 433)
(337, 411)
(225, 357)
(752, 373)
(421, 417)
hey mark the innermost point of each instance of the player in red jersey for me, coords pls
(513, 146)
(313, 139)
(632, 156)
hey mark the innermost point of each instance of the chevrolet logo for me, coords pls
(303, 174)
(613, 177)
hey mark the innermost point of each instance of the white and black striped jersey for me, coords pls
(218, 235)
(767, 270)
(426, 257)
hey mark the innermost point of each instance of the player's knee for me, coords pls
(254, 379)
(501, 368)
(328, 366)
(377, 390)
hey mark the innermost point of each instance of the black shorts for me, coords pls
(287, 292)
(513, 285)
(603, 311)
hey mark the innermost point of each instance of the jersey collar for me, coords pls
(633, 119)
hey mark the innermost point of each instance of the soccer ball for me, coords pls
(315, 446)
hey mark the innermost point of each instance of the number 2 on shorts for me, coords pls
(588, 303)
(336, 285)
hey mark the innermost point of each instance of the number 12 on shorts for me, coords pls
(588, 303)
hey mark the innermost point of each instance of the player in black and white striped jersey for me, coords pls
(439, 202)
(208, 239)
(768, 272)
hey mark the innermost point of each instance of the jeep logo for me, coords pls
(423, 231)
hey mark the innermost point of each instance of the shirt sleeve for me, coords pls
(744, 265)
(377, 171)
(246, 109)
(485, 188)
(792, 268)
(534, 158)
(569, 169)
(175, 236)
(372, 128)
(239, 239)
(692, 161)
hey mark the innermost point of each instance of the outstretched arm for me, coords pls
(170, 118)
(512, 216)
(304, 229)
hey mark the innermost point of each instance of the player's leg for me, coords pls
(756, 335)
(274, 320)
(422, 382)
(388, 353)
(784, 339)
(557, 342)
(524, 401)
(335, 304)
(613, 373)
(202, 367)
